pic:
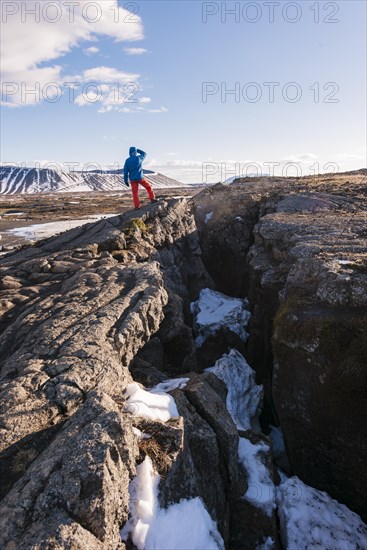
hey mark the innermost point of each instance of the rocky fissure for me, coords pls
(91, 314)
(305, 278)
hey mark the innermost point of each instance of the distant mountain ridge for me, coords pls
(15, 180)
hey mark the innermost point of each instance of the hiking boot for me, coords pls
(137, 207)
(154, 200)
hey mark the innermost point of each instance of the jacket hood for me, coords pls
(132, 151)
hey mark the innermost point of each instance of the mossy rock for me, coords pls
(134, 225)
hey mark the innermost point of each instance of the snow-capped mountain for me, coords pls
(250, 175)
(42, 180)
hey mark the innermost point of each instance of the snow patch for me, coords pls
(312, 519)
(345, 262)
(14, 214)
(214, 310)
(183, 526)
(156, 405)
(283, 477)
(186, 525)
(244, 395)
(267, 544)
(143, 491)
(170, 385)
(137, 432)
(43, 230)
(261, 489)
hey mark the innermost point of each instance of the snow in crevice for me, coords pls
(170, 385)
(243, 394)
(312, 519)
(308, 518)
(156, 403)
(261, 489)
(186, 525)
(267, 544)
(243, 399)
(214, 310)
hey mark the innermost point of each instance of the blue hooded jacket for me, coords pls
(133, 168)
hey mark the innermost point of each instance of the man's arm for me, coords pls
(126, 174)
(142, 154)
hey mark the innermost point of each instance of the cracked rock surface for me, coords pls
(76, 309)
(86, 313)
(298, 247)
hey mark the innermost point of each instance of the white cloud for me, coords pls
(160, 110)
(31, 41)
(112, 90)
(91, 51)
(135, 51)
(8, 104)
(350, 156)
(304, 157)
(39, 33)
(30, 87)
(109, 88)
(105, 109)
(184, 163)
(108, 74)
(84, 99)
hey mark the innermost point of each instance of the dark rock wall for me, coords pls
(302, 262)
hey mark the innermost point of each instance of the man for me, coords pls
(133, 169)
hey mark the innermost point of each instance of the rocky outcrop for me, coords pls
(89, 314)
(84, 314)
(319, 337)
(197, 456)
(305, 274)
(75, 493)
(76, 310)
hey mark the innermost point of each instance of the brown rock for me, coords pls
(75, 490)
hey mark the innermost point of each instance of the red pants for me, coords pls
(135, 189)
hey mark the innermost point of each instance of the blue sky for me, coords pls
(185, 137)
